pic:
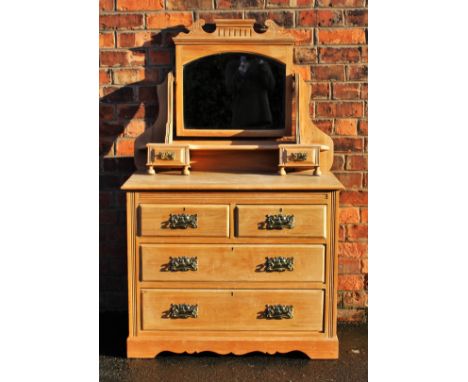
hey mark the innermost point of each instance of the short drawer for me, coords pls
(183, 220)
(302, 156)
(302, 263)
(282, 221)
(207, 309)
(167, 155)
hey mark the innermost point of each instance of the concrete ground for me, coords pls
(210, 367)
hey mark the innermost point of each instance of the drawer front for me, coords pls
(167, 156)
(303, 263)
(184, 220)
(282, 221)
(299, 156)
(207, 309)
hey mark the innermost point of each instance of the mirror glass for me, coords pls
(234, 91)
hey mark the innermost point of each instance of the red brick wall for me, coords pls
(136, 52)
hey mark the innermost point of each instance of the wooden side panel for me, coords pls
(212, 220)
(233, 263)
(309, 221)
(232, 309)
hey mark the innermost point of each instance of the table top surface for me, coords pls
(198, 180)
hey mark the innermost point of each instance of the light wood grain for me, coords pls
(233, 263)
(212, 220)
(232, 309)
(310, 221)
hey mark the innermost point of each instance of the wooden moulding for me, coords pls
(315, 347)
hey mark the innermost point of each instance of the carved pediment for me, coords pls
(235, 30)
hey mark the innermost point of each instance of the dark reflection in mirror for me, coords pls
(234, 91)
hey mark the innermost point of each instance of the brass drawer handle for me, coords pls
(278, 312)
(182, 264)
(183, 221)
(163, 155)
(279, 221)
(279, 264)
(182, 311)
(298, 157)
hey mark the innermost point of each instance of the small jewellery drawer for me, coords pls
(183, 220)
(167, 155)
(215, 309)
(172, 262)
(282, 221)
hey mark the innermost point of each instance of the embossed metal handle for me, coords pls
(298, 157)
(183, 221)
(182, 264)
(279, 221)
(166, 155)
(183, 311)
(279, 264)
(278, 312)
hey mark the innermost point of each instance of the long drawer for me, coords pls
(172, 262)
(184, 220)
(282, 221)
(206, 309)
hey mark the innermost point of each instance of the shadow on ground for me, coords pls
(210, 367)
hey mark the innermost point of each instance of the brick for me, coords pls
(183, 5)
(136, 111)
(354, 250)
(160, 57)
(135, 39)
(127, 76)
(337, 55)
(364, 53)
(108, 217)
(106, 5)
(346, 127)
(338, 163)
(277, 3)
(327, 72)
(283, 18)
(364, 266)
(301, 36)
(356, 17)
(348, 144)
(106, 40)
(106, 112)
(105, 199)
(302, 3)
(325, 125)
(324, 18)
(134, 128)
(355, 198)
(363, 127)
(304, 71)
(110, 129)
(357, 231)
(320, 90)
(169, 20)
(356, 162)
(344, 36)
(209, 17)
(104, 77)
(357, 72)
(349, 215)
(348, 265)
(365, 180)
(342, 233)
(357, 298)
(340, 109)
(350, 180)
(124, 147)
(364, 91)
(341, 3)
(140, 5)
(121, 58)
(147, 94)
(113, 94)
(364, 215)
(124, 21)
(351, 315)
(305, 55)
(350, 282)
(226, 4)
(346, 90)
